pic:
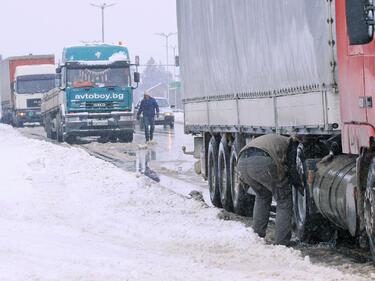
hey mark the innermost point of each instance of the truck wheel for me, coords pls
(126, 137)
(310, 226)
(224, 175)
(47, 127)
(52, 134)
(59, 131)
(243, 203)
(369, 207)
(69, 139)
(112, 138)
(130, 137)
(213, 182)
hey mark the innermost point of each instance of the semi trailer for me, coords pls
(94, 95)
(24, 80)
(298, 68)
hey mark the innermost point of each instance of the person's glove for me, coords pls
(138, 117)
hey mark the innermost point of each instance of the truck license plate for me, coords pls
(100, 122)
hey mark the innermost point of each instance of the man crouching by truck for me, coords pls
(262, 164)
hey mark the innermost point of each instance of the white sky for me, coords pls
(46, 26)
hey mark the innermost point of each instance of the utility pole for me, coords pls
(166, 36)
(174, 56)
(174, 74)
(103, 7)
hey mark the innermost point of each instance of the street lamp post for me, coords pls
(166, 36)
(174, 74)
(103, 7)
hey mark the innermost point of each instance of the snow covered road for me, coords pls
(66, 215)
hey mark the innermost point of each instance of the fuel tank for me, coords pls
(334, 191)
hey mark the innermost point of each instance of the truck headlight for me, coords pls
(21, 113)
(168, 114)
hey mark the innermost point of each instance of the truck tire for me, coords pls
(126, 137)
(243, 203)
(69, 139)
(224, 175)
(309, 225)
(369, 207)
(59, 129)
(48, 125)
(213, 181)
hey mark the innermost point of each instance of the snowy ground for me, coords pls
(69, 216)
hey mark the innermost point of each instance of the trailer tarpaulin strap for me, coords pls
(260, 45)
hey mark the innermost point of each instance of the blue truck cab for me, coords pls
(94, 96)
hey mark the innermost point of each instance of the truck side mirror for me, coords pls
(137, 77)
(58, 79)
(173, 106)
(177, 61)
(360, 21)
(58, 70)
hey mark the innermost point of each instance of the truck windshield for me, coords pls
(35, 83)
(98, 77)
(162, 102)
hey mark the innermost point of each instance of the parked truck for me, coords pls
(94, 96)
(24, 80)
(298, 68)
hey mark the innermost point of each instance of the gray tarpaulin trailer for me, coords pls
(256, 66)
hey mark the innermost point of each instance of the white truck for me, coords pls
(24, 80)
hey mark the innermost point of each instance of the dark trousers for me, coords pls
(149, 123)
(260, 173)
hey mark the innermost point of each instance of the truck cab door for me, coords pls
(369, 81)
(350, 63)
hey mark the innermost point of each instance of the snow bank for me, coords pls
(68, 216)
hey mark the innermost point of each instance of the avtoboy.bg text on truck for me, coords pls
(295, 67)
(23, 81)
(94, 96)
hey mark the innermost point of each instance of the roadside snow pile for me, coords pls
(68, 216)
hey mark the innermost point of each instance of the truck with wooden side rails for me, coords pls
(23, 81)
(298, 68)
(94, 96)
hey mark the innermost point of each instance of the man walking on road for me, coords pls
(149, 107)
(262, 164)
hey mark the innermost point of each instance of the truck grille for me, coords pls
(33, 103)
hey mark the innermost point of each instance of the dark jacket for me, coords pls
(277, 147)
(149, 107)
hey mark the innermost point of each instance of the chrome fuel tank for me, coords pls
(334, 191)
